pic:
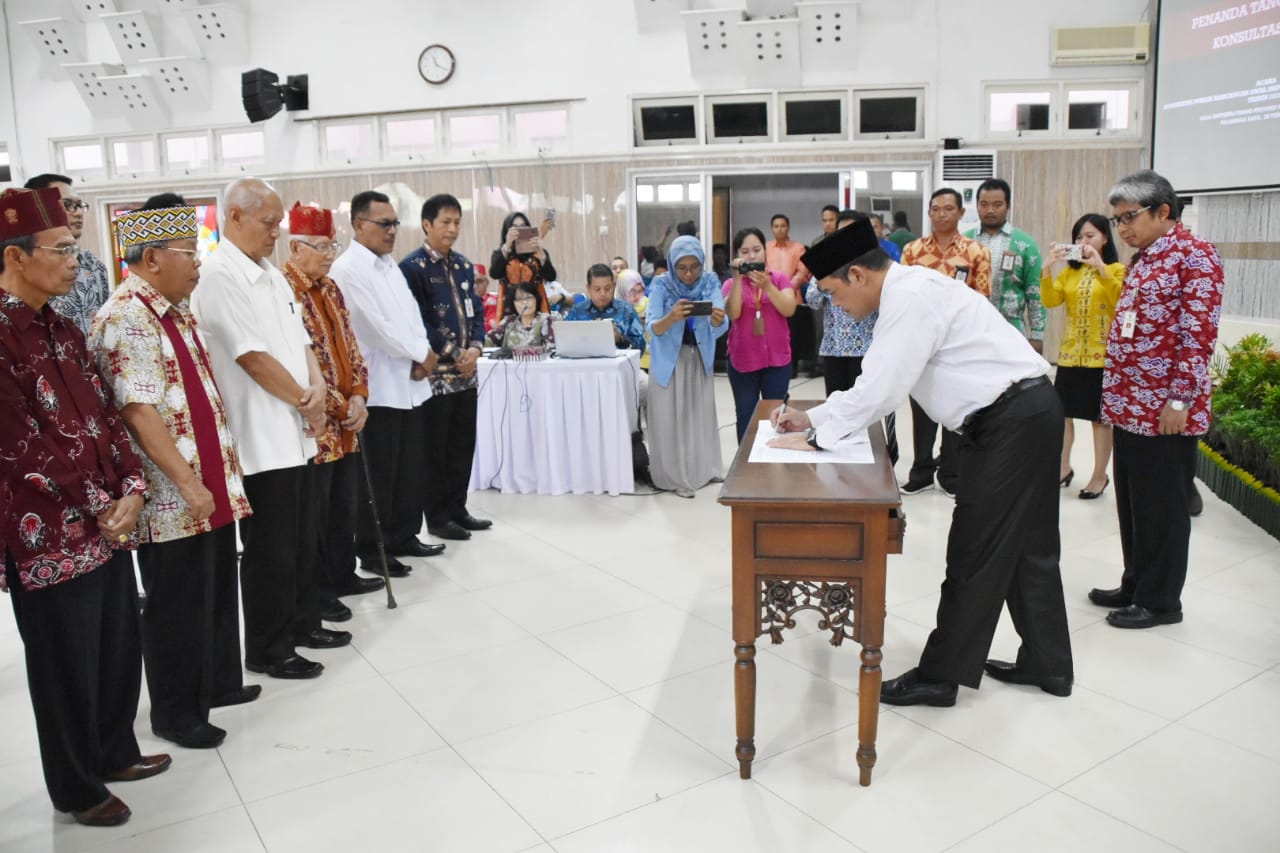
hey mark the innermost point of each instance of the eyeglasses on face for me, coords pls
(65, 251)
(1127, 217)
(191, 253)
(70, 205)
(384, 224)
(330, 248)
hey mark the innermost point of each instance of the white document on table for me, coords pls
(852, 449)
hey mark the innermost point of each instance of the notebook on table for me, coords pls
(585, 339)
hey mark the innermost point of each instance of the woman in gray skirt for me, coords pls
(684, 435)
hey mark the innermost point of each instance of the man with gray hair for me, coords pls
(275, 395)
(1156, 393)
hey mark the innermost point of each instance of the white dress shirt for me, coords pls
(387, 323)
(939, 341)
(245, 306)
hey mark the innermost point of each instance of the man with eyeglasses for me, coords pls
(275, 395)
(334, 473)
(71, 489)
(393, 340)
(1156, 393)
(93, 285)
(146, 348)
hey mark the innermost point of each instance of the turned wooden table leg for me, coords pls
(868, 712)
(744, 695)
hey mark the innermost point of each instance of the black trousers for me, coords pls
(329, 538)
(804, 337)
(1003, 546)
(450, 448)
(840, 373)
(84, 671)
(393, 443)
(190, 625)
(924, 430)
(277, 583)
(1152, 474)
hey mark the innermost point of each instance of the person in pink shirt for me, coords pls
(758, 300)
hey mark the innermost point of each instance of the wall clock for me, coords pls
(436, 64)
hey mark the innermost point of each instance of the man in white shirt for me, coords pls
(388, 327)
(274, 394)
(974, 373)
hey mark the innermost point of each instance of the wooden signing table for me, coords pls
(811, 537)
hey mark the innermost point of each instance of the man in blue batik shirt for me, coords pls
(603, 304)
(444, 285)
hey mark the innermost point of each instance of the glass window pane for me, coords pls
(5, 173)
(1019, 111)
(903, 182)
(541, 128)
(187, 152)
(669, 193)
(243, 148)
(82, 157)
(860, 179)
(475, 132)
(349, 142)
(694, 192)
(1098, 109)
(134, 155)
(644, 193)
(410, 136)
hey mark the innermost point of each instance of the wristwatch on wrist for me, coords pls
(1178, 405)
(811, 437)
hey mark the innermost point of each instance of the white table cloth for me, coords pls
(557, 426)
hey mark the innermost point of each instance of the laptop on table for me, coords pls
(585, 339)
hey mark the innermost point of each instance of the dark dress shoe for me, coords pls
(356, 585)
(1195, 503)
(470, 522)
(1086, 495)
(395, 568)
(1137, 616)
(335, 611)
(323, 638)
(1117, 597)
(910, 689)
(240, 696)
(294, 666)
(415, 548)
(1057, 685)
(199, 736)
(145, 768)
(450, 530)
(110, 812)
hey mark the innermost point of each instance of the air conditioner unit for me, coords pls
(1124, 45)
(963, 170)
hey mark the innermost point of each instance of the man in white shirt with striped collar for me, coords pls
(975, 374)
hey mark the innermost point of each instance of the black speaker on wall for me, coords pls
(263, 96)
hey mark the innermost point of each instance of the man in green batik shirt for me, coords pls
(1015, 262)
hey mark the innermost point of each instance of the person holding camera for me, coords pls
(522, 259)
(686, 315)
(1088, 282)
(758, 302)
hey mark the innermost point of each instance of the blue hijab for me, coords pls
(667, 289)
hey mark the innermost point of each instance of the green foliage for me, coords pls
(1246, 407)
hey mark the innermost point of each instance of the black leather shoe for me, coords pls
(323, 638)
(199, 736)
(395, 568)
(294, 666)
(1137, 616)
(1057, 685)
(146, 767)
(240, 696)
(450, 530)
(908, 689)
(1117, 597)
(415, 548)
(335, 611)
(470, 522)
(356, 585)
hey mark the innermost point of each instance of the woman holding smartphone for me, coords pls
(684, 318)
(1088, 282)
(521, 259)
(758, 302)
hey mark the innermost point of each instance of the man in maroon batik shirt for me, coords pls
(71, 488)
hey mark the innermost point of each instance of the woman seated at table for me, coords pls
(684, 439)
(519, 262)
(523, 324)
(758, 303)
(631, 291)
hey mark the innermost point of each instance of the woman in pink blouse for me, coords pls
(758, 302)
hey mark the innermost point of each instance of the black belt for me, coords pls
(1009, 393)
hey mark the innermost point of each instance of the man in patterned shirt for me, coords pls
(1156, 393)
(954, 255)
(146, 347)
(334, 473)
(1015, 262)
(92, 286)
(71, 488)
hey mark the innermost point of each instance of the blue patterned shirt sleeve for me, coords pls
(622, 315)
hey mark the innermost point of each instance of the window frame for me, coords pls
(692, 101)
(839, 95)
(855, 113)
(770, 101)
(82, 175)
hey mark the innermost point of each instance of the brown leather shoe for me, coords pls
(147, 766)
(110, 812)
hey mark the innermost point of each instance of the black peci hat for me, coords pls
(836, 250)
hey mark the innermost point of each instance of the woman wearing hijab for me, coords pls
(510, 267)
(684, 436)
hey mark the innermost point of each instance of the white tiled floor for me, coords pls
(578, 698)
